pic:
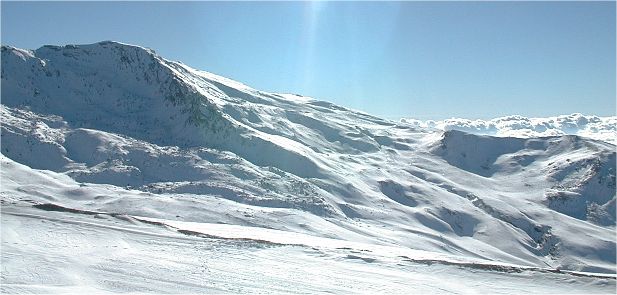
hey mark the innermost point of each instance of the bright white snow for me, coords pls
(126, 172)
(601, 128)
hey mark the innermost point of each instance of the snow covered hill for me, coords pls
(601, 128)
(109, 148)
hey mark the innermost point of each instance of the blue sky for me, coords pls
(427, 60)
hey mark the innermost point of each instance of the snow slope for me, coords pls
(112, 140)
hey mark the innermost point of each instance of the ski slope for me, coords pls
(126, 172)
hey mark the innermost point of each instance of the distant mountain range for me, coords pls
(601, 128)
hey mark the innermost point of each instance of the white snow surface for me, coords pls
(122, 171)
(600, 128)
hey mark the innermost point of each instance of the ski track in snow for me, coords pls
(125, 172)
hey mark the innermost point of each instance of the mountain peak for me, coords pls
(18, 52)
(102, 44)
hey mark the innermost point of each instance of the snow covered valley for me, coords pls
(126, 172)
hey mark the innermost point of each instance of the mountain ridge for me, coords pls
(96, 122)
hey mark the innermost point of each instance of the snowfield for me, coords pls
(126, 172)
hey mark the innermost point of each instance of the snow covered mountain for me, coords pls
(601, 128)
(118, 163)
